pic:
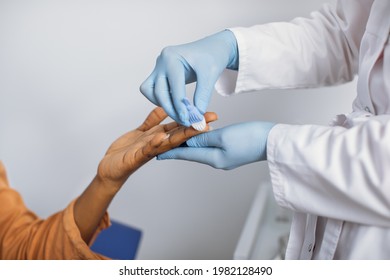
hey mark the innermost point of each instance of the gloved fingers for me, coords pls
(147, 88)
(154, 118)
(177, 86)
(207, 156)
(204, 89)
(163, 96)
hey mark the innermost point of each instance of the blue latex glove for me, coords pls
(226, 148)
(202, 61)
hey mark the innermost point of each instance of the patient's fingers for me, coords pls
(166, 137)
(149, 150)
(3, 176)
(170, 126)
(209, 117)
(180, 134)
(154, 118)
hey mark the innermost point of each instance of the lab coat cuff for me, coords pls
(278, 180)
(232, 82)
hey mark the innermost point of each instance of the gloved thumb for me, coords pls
(207, 139)
(200, 155)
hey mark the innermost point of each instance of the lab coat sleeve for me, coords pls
(308, 52)
(23, 235)
(335, 172)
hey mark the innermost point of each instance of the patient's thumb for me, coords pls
(3, 175)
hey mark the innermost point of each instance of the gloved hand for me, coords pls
(226, 148)
(202, 61)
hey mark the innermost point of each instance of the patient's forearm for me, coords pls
(91, 206)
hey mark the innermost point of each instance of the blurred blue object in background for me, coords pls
(119, 242)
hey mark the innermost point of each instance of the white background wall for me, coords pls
(69, 78)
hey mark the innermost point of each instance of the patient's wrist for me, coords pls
(108, 186)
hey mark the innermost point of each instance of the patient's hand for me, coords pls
(3, 177)
(135, 148)
(125, 156)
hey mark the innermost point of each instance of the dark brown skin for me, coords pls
(125, 155)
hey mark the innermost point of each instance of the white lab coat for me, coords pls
(336, 178)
